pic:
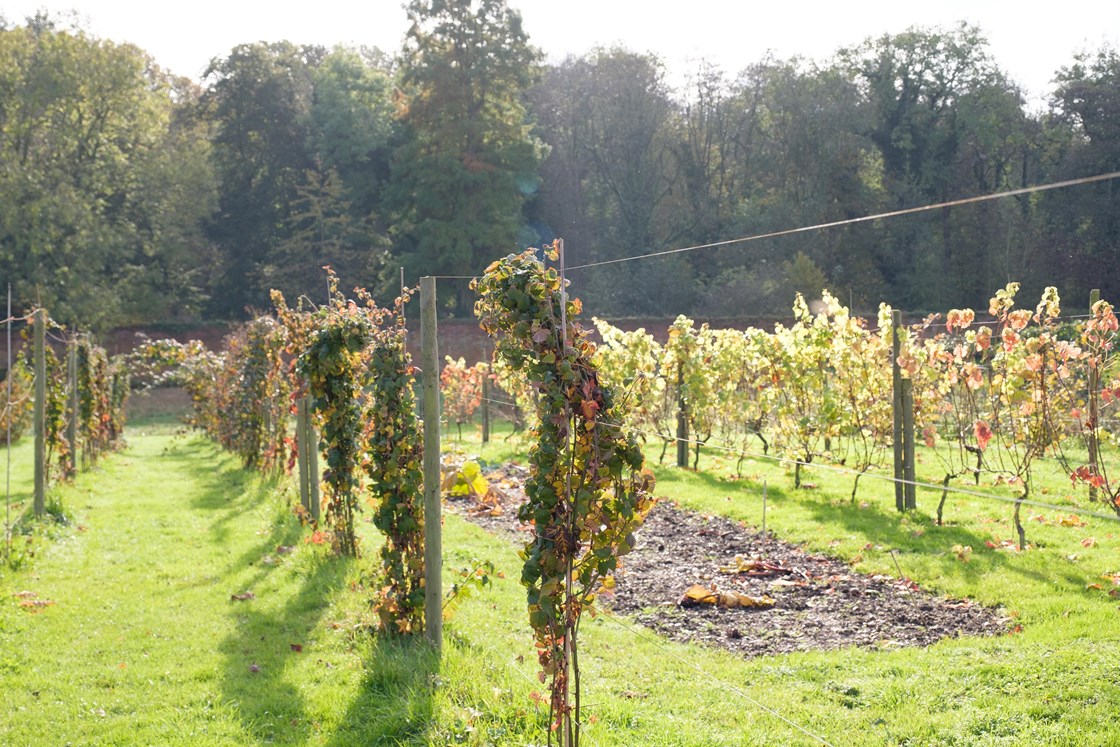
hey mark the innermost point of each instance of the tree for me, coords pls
(609, 121)
(469, 160)
(102, 181)
(946, 123)
(258, 100)
(1084, 126)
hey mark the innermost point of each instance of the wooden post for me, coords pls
(896, 387)
(302, 434)
(433, 551)
(40, 412)
(486, 406)
(763, 508)
(72, 389)
(313, 468)
(682, 419)
(1094, 408)
(908, 464)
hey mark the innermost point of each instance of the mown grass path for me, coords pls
(145, 643)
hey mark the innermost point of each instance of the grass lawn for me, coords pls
(144, 644)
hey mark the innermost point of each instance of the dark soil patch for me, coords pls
(819, 603)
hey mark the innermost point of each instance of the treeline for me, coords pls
(131, 195)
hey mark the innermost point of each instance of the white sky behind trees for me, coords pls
(1031, 46)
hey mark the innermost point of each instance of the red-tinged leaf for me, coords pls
(1098, 587)
(297, 647)
(242, 597)
(983, 434)
(316, 538)
(1015, 630)
(589, 407)
(254, 668)
(1089, 542)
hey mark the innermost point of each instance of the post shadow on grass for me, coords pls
(267, 640)
(225, 487)
(394, 705)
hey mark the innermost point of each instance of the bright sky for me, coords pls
(1030, 45)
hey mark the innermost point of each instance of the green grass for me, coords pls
(144, 645)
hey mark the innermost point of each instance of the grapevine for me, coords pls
(587, 492)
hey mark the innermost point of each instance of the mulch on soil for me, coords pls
(819, 603)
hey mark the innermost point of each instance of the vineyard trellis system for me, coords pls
(985, 397)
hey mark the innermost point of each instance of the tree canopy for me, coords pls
(130, 195)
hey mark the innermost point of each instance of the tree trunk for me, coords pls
(944, 494)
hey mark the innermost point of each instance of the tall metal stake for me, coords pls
(433, 550)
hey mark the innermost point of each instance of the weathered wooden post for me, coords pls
(433, 550)
(486, 406)
(72, 406)
(896, 408)
(313, 468)
(682, 419)
(40, 411)
(302, 433)
(1094, 407)
(909, 472)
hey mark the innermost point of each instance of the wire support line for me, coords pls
(883, 478)
(730, 687)
(720, 446)
(863, 219)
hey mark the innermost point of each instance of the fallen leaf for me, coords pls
(1089, 542)
(284, 549)
(963, 553)
(697, 595)
(254, 668)
(242, 597)
(298, 648)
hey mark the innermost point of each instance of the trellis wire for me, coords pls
(722, 446)
(863, 219)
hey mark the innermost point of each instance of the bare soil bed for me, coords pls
(804, 601)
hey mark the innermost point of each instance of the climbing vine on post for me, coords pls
(587, 492)
(332, 364)
(394, 466)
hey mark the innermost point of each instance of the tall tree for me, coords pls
(469, 160)
(1084, 131)
(258, 99)
(610, 123)
(937, 107)
(102, 183)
